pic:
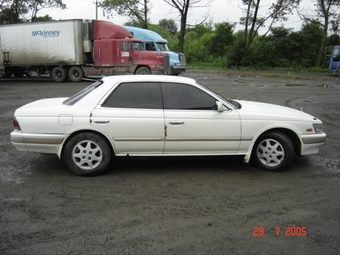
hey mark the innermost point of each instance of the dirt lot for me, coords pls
(211, 205)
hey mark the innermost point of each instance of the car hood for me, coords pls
(256, 110)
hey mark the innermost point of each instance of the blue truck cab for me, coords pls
(155, 42)
(334, 60)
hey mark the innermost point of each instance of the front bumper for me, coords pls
(178, 69)
(310, 144)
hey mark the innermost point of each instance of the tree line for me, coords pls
(219, 45)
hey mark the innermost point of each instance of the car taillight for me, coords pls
(16, 124)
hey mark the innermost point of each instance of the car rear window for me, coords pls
(79, 95)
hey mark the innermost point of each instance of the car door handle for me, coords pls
(176, 122)
(101, 121)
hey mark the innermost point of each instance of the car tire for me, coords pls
(87, 154)
(143, 70)
(76, 74)
(59, 74)
(273, 151)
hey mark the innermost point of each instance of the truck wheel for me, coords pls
(338, 72)
(7, 74)
(76, 74)
(19, 74)
(59, 74)
(87, 154)
(143, 70)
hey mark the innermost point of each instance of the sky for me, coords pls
(219, 11)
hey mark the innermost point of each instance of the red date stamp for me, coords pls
(288, 231)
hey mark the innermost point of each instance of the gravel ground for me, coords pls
(185, 205)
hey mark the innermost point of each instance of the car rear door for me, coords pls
(193, 124)
(133, 117)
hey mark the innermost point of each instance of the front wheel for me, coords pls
(87, 154)
(273, 151)
(143, 70)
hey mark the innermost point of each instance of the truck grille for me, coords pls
(166, 61)
(182, 59)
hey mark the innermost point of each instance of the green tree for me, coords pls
(168, 24)
(34, 6)
(43, 18)
(12, 12)
(284, 46)
(313, 35)
(252, 21)
(183, 7)
(137, 10)
(327, 13)
(333, 40)
(18, 11)
(296, 49)
(222, 39)
(197, 47)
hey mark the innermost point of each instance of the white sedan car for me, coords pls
(161, 116)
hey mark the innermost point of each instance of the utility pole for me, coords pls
(96, 9)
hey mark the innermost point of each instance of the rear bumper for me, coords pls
(40, 143)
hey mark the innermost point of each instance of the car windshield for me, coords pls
(79, 95)
(234, 103)
(162, 46)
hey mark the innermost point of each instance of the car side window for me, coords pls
(146, 95)
(186, 97)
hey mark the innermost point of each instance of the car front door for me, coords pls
(133, 117)
(193, 124)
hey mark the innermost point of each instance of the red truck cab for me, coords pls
(114, 46)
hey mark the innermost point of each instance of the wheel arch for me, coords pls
(61, 153)
(141, 66)
(291, 134)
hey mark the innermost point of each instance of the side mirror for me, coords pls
(220, 106)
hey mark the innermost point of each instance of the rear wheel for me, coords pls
(143, 70)
(18, 73)
(338, 71)
(273, 151)
(87, 154)
(7, 74)
(76, 74)
(59, 74)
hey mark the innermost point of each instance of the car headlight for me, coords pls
(318, 128)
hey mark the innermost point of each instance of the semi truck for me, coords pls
(76, 49)
(155, 42)
(334, 60)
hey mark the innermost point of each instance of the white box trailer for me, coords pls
(43, 45)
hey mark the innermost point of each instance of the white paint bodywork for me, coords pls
(46, 124)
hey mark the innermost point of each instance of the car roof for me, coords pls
(146, 78)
